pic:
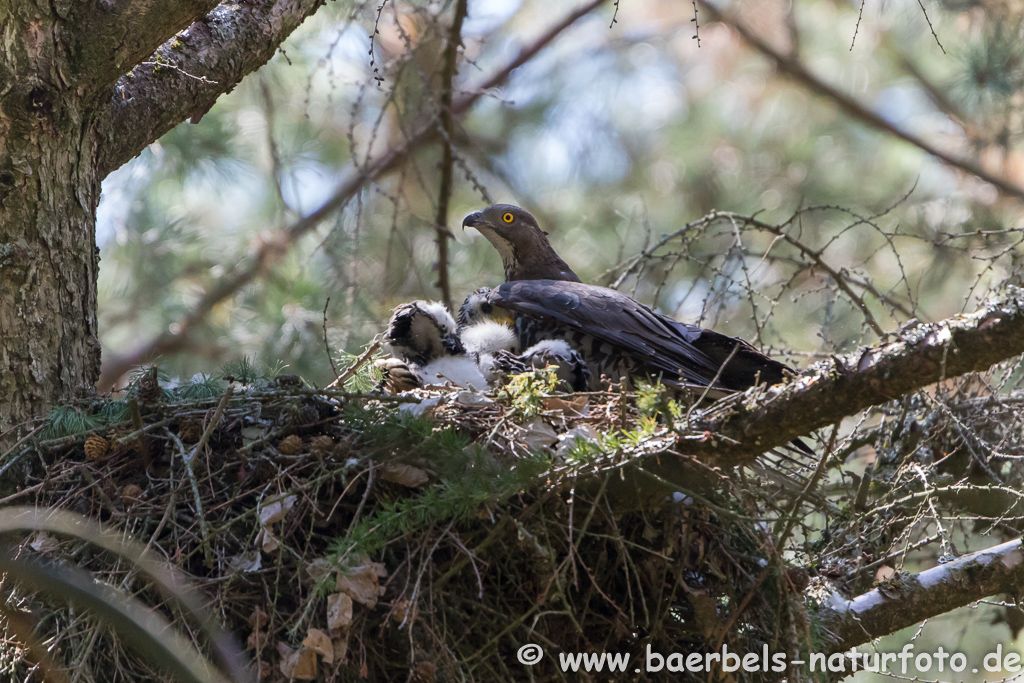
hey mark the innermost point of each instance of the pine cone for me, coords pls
(423, 672)
(190, 431)
(131, 494)
(96, 447)
(130, 446)
(321, 446)
(290, 445)
(148, 390)
(343, 448)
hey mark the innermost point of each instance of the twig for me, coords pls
(327, 345)
(696, 24)
(18, 443)
(448, 71)
(811, 483)
(140, 440)
(852, 107)
(815, 256)
(856, 29)
(275, 156)
(172, 67)
(189, 458)
(352, 369)
(273, 248)
(204, 525)
(213, 422)
(930, 27)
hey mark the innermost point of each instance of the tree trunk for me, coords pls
(49, 189)
(84, 87)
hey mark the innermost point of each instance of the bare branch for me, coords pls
(272, 250)
(451, 55)
(796, 69)
(910, 599)
(738, 429)
(187, 74)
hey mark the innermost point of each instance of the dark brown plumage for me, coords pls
(622, 339)
(619, 338)
(523, 246)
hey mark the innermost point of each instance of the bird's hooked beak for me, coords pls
(473, 220)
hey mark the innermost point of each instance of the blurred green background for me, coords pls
(613, 136)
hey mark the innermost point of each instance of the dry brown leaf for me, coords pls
(319, 642)
(274, 510)
(299, 665)
(44, 543)
(258, 618)
(575, 407)
(406, 475)
(316, 570)
(361, 583)
(256, 640)
(423, 672)
(265, 540)
(401, 610)
(245, 563)
(538, 435)
(339, 611)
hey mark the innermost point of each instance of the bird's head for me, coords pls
(476, 309)
(525, 251)
(421, 331)
(512, 231)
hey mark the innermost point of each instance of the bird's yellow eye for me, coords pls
(507, 217)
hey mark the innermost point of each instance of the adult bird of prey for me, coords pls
(619, 337)
(623, 340)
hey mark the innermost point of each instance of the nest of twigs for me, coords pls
(348, 536)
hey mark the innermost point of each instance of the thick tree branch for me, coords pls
(793, 67)
(270, 251)
(110, 38)
(740, 428)
(188, 73)
(909, 599)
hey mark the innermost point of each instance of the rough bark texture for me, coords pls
(187, 74)
(49, 189)
(738, 430)
(74, 105)
(906, 599)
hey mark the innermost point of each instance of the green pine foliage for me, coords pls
(201, 386)
(70, 420)
(248, 371)
(468, 478)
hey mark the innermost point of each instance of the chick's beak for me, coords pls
(473, 220)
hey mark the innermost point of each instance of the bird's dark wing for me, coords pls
(664, 346)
